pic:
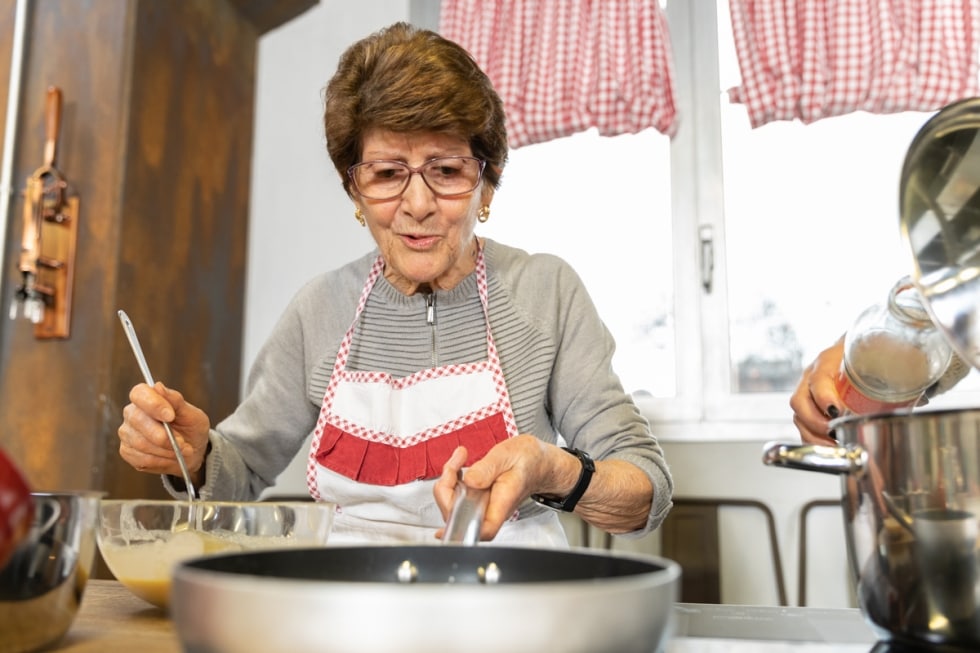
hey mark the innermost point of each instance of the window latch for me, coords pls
(707, 233)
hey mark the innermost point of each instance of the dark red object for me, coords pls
(16, 507)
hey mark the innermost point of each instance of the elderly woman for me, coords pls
(437, 356)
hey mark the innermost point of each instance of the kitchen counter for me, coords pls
(112, 620)
(707, 628)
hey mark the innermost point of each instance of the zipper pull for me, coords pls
(430, 308)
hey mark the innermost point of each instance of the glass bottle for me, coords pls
(893, 353)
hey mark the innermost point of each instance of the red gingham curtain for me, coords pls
(565, 66)
(811, 59)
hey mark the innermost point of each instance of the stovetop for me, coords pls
(704, 628)
(901, 647)
(708, 628)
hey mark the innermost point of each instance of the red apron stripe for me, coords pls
(480, 437)
(382, 464)
(412, 465)
(342, 452)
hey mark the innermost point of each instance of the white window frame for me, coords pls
(704, 406)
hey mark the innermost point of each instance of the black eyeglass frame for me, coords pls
(416, 171)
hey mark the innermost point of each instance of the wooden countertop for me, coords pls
(113, 620)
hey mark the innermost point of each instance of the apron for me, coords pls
(380, 442)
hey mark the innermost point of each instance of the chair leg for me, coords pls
(713, 503)
(804, 513)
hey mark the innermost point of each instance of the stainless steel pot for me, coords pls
(911, 485)
(424, 598)
(911, 498)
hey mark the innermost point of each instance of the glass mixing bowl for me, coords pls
(142, 541)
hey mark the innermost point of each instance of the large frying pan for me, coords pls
(424, 598)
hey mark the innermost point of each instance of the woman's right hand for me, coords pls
(815, 401)
(143, 442)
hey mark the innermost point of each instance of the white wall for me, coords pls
(735, 470)
(302, 223)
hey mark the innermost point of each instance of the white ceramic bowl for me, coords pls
(142, 541)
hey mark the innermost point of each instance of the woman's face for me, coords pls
(424, 238)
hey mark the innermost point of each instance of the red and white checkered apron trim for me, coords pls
(565, 67)
(478, 440)
(401, 442)
(812, 59)
(418, 377)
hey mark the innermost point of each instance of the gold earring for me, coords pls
(484, 213)
(359, 217)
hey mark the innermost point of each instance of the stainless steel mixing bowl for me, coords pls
(42, 584)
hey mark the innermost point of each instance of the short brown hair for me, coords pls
(407, 79)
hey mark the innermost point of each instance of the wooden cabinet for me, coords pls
(156, 135)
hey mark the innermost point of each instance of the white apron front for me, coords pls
(380, 442)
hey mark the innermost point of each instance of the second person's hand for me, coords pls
(815, 401)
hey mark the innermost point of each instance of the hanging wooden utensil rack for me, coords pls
(47, 254)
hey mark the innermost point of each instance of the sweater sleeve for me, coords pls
(250, 447)
(253, 445)
(587, 402)
(955, 372)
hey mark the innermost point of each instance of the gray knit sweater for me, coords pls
(555, 352)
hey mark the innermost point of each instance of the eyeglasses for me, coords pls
(446, 176)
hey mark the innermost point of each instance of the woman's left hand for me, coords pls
(512, 470)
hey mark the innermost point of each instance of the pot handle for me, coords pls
(816, 458)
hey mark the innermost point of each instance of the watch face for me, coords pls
(554, 504)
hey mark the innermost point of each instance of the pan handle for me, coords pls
(851, 460)
(463, 526)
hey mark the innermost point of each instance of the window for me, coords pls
(725, 260)
(603, 204)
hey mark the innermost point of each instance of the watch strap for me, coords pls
(585, 477)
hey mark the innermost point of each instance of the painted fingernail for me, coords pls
(832, 435)
(832, 412)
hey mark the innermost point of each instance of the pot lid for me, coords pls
(939, 199)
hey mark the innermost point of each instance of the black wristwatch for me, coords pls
(569, 502)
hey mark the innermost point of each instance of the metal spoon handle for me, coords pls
(141, 360)
(463, 525)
